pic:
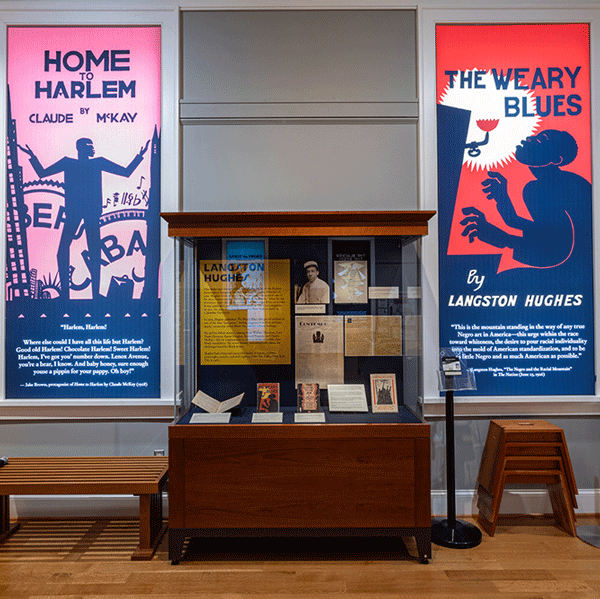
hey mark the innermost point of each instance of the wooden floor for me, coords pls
(528, 558)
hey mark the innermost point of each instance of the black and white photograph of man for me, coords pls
(315, 290)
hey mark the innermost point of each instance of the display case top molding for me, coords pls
(298, 224)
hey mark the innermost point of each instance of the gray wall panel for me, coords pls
(82, 439)
(299, 167)
(299, 56)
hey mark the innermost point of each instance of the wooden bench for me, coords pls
(130, 475)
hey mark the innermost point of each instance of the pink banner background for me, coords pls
(134, 120)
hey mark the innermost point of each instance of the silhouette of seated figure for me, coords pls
(552, 199)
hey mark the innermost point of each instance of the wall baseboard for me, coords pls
(514, 501)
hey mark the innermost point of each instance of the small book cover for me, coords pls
(308, 397)
(267, 397)
(384, 397)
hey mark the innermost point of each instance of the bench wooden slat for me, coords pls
(78, 465)
(83, 475)
(58, 477)
(91, 463)
(149, 476)
(88, 458)
(78, 489)
(107, 467)
(64, 478)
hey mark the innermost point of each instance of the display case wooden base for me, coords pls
(299, 480)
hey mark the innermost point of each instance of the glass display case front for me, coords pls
(286, 324)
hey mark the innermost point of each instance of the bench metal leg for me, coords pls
(152, 528)
(5, 527)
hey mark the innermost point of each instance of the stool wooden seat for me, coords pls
(526, 452)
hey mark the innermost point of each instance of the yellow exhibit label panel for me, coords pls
(245, 312)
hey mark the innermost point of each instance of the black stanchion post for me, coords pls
(450, 459)
(450, 532)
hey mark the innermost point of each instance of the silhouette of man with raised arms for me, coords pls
(553, 199)
(83, 202)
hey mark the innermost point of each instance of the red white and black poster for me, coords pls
(83, 212)
(515, 205)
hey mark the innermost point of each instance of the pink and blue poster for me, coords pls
(515, 205)
(82, 212)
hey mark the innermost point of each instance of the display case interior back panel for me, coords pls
(251, 317)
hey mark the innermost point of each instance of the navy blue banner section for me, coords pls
(93, 350)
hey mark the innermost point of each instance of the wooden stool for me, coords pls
(525, 452)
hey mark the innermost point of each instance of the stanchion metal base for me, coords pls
(589, 534)
(462, 535)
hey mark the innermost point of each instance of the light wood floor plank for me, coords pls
(528, 558)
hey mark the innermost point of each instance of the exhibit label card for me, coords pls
(313, 417)
(347, 398)
(384, 292)
(244, 312)
(311, 308)
(219, 418)
(267, 418)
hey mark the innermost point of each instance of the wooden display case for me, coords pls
(353, 474)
